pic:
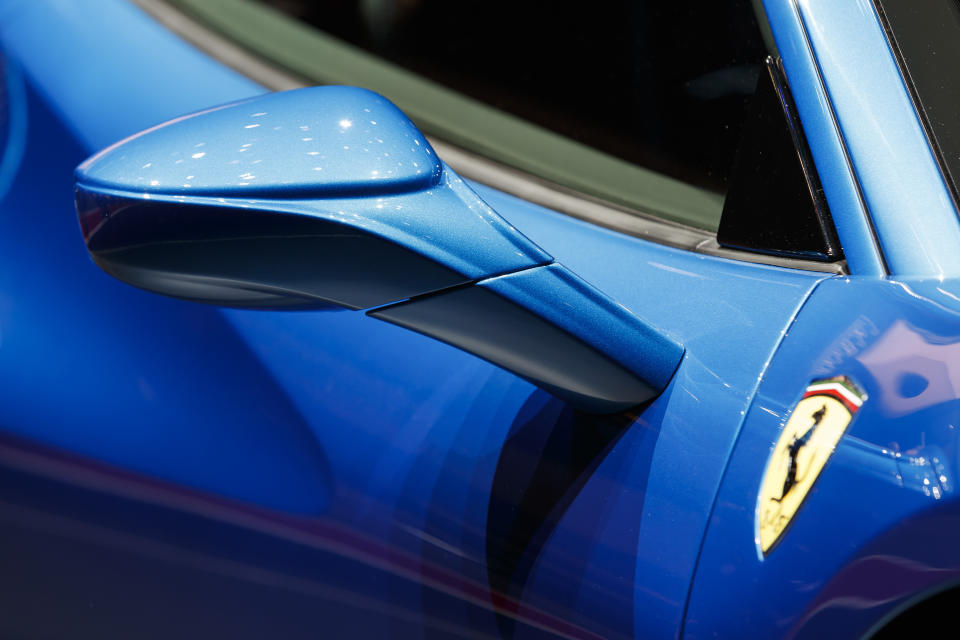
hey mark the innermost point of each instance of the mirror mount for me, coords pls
(330, 197)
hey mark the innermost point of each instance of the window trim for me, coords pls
(484, 170)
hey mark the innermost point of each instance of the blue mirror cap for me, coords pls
(315, 142)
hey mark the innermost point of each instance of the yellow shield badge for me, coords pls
(803, 448)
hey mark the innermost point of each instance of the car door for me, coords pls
(175, 468)
(868, 547)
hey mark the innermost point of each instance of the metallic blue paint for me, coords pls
(879, 526)
(648, 501)
(826, 144)
(561, 297)
(13, 130)
(902, 186)
(305, 467)
(147, 379)
(51, 37)
(428, 454)
(178, 209)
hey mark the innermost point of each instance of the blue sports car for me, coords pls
(412, 318)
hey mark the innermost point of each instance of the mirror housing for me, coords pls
(329, 197)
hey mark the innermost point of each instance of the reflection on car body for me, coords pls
(563, 371)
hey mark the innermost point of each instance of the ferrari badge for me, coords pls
(805, 444)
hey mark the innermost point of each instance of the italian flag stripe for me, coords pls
(838, 390)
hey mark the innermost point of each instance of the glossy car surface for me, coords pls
(172, 468)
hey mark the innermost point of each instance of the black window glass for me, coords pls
(659, 85)
(926, 40)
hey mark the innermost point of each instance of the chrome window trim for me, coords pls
(485, 171)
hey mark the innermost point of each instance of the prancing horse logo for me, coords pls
(806, 442)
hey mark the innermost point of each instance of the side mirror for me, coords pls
(331, 197)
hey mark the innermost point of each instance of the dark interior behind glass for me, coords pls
(660, 84)
(925, 37)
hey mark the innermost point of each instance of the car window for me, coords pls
(926, 41)
(638, 103)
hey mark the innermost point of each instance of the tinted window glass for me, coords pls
(639, 103)
(926, 38)
(659, 84)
